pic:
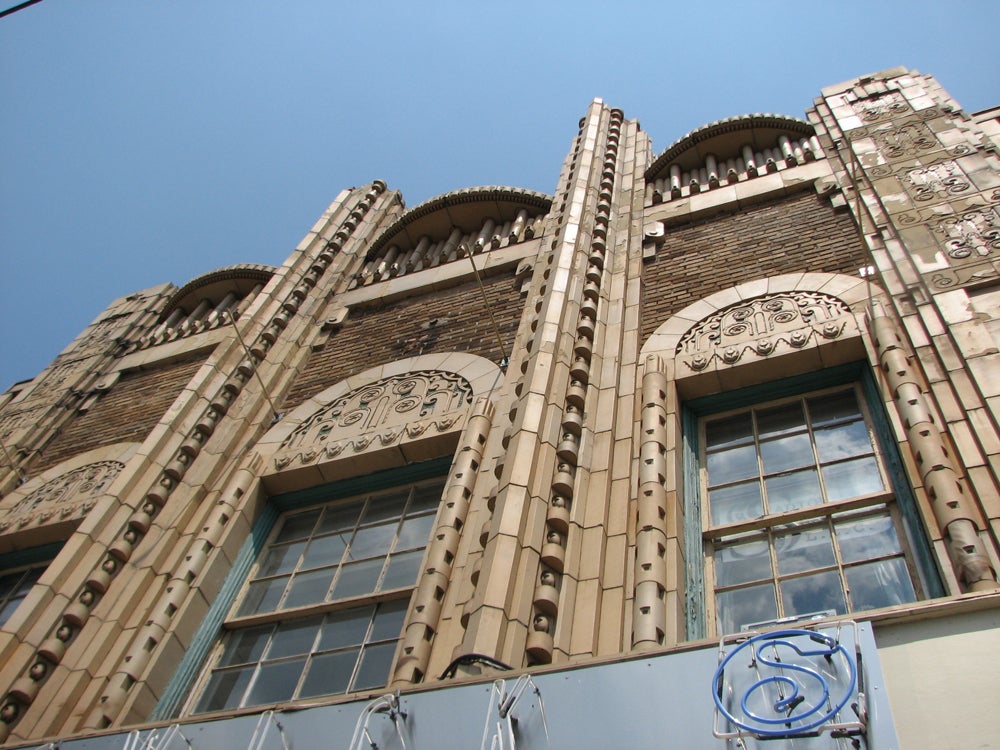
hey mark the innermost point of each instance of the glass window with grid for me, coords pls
(15, 585)
(799, 517)
(324, 607)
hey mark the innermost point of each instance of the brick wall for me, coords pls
(125, 414)
(795, 233)
(452, 319)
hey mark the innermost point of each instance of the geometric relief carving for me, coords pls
(882, 107)
(909, 140)
(762, 325)
(968, 238)
(73, 491)
(937, 181)
(973, 232)
(381, 413)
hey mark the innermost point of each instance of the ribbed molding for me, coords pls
(546, 595)
(649, 608)
(143, 645)
(425, 614)
(953, 509)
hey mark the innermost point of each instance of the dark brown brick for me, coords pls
(795, 233)
(445, 320)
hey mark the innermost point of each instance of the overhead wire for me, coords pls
(19, 6)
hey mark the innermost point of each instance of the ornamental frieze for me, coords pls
(68, 495)
(763, 326)
(379, 414)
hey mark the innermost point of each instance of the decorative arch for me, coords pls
(48, 505)
(442, 229)
(726, 137)
(408, 410)
(765, 318)
(729, 151)
(213, 286)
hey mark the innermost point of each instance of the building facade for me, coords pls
(512, 468)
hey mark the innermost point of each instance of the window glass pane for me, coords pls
(358, 578)
(340, 517)
(744, 606)
(346, 628)
(786, 453)
(309, 588)
(371, 541)
(731, 465)
(9, 583)
(843, 441)
(865, 538)
(275, 682)
(324, 550)
(804, 549)
(28, 579)
(262, 596)
(382, 507)
(329, 674)
(225, 689)
(357, 548)
(797, 489)
(245, 646)
(737, 502)
(280, 559)
(852, 478)
(402, 570)
(415, 531)
(427, 497)
(739, 563)
(297, 526)
(815, 593)
(8, 609)
(389, 620)
(833, 406)
(294, 637)
(779, 420)
(731, 430)
(374, 668)
(879, 584)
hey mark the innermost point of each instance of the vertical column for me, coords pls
(924, 184)
(956, 517)
(422, 623)
(649, 606)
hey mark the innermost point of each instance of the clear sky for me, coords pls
(145, 142)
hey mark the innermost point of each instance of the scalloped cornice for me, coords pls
(457, 209)
(252, 272)
(753, 123)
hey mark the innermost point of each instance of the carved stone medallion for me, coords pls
(762, 326)
(379, 414)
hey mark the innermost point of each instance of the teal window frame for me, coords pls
(186, 676)
(695, 410)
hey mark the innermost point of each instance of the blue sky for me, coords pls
(144, 142)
